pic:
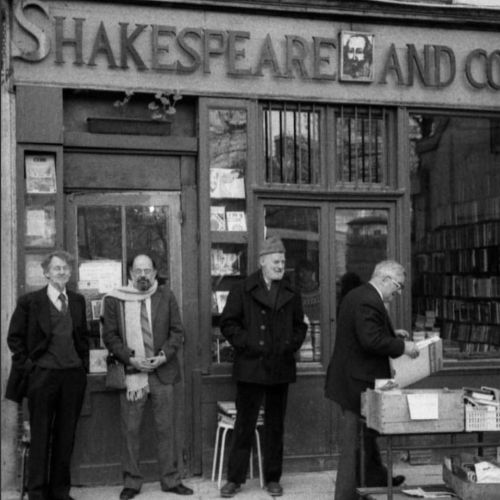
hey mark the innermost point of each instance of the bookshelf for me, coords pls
(458, 279)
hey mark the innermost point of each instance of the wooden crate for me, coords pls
(388, 411)
(468, 490)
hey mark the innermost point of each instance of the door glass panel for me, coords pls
(146, 230)
(360, 242)
(99, 233)
(298, 227)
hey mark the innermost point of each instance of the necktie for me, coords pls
(64, 305)
(147, 334)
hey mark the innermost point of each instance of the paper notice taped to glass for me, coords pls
(423, 406)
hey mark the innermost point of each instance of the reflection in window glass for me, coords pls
(99, 233)
(361, 144)
(360, 242)
(298, 227)
(291, 142)
(455, 188)
(146, 230)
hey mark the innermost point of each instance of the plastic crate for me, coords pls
(482, 419)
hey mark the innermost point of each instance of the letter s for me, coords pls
(41, 38)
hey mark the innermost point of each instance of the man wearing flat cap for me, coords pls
(264, 322)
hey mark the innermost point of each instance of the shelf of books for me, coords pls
(228, 252)
(457, 281)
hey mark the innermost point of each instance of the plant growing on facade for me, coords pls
(160, 108)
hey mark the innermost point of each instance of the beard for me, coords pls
(143, 284)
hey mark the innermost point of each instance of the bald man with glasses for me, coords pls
(365, 341)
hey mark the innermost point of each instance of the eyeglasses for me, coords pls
(397, 284)
(146, 272)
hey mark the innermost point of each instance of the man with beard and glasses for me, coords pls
(263, 320)
(142, 328)
(48, 337)
(364, 343)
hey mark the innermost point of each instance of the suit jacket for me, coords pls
(30, 334)
(168, 333)
(265, 336)
(365, 341)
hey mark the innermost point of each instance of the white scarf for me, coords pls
(137, 383)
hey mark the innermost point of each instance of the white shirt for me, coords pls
(54, 293)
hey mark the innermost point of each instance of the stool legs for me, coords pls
(216, 450)
(259, 458)
(221, 459)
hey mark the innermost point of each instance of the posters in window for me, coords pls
(40, 174)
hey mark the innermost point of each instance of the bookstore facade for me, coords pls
(193, 133)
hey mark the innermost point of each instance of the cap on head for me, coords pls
(272, 244)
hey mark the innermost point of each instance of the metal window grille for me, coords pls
(291, 143)
(361, 145)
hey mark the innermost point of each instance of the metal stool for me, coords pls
(24, 448)
(226, 418)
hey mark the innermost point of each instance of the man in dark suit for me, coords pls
(365, 341)
(142, 328)
(48, 338)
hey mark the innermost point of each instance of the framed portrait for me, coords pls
(356, 56)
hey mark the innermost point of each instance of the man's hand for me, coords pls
(157, 361)
(411, 349)
(402, 334)
(142, 364)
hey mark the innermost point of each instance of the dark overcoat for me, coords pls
(265, 337)
(364, 342)
(30, 334)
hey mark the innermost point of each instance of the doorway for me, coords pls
(104, 231)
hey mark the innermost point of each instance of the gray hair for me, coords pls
(388, 267)
(61, 254)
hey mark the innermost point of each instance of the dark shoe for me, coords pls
(128, 493)
(179, 489)
(229, 489)
(274, 489)
(398, 480)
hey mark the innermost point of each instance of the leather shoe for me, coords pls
(229, 489)
(128, 493)
(274, 489)
(179, 489)
(398, 480)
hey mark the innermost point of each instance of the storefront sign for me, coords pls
(87, 40)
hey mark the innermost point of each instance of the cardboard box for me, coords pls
(408, 370)
(469, 490)
(388, 412)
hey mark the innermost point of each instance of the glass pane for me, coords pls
(360, 145)
(291, 144)
(99, 233)
(360, 242)
(298, 227)
(40, 226)
(455, 187)
(146, 230)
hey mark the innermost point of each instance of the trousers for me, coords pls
(348, 472)
(162, 400)
(249, 399)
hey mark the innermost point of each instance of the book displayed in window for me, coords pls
(217, 218)
(40, 174)
(227, 183)
(236, 221)
(224, 264)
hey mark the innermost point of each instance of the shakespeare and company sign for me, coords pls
(93, 45)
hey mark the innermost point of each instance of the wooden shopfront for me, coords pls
(280, 129)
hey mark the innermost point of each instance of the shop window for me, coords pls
(291, 143)
(455, 186)
(227, 161)
(361, 145)
(360, 242)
